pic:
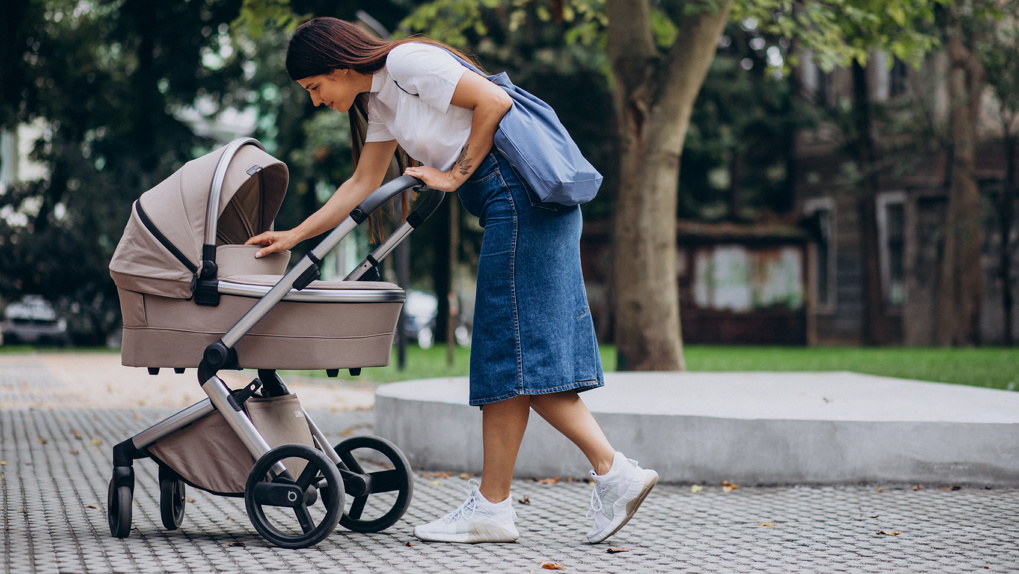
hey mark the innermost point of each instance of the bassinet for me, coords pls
(184, 276)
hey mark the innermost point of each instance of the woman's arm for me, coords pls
(368, 176)
(489, 103)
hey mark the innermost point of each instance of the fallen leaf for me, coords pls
(42, 440)
(97, 442)
(618, 550)
(524, 500)
(728, 486)
(951, 488)
(3, 463)
(189, 499)
(74, 451)
(464, 475)
(696, 488)
(919, 487)
(552, 566)
(892, 533)
(239, 544)
(767, 524)
(879, 489)
(553, 480)
(92, 506)
(409, 543)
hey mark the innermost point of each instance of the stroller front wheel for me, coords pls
(171, 498)
(289, 512)
(118, 504)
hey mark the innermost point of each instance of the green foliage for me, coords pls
(105, 80)
(840, 31)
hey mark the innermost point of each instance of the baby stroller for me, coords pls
(192, 295)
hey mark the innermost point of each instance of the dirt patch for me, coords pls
(98, 380)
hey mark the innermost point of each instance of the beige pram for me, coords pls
(193, 296)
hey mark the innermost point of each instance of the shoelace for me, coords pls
(469, 507)
(599, 490)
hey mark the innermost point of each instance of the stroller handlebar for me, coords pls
(383, 194)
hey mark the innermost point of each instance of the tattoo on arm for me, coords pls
(464, 162)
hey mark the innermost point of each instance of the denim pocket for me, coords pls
(488, 169)
(538, 203)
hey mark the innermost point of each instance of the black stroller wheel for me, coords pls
(294, 513)
(171, 498)
(379, 488)
(118, 509)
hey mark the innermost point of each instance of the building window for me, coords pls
(891, 225)
(822, 212)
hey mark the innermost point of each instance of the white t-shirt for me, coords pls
(410, 102)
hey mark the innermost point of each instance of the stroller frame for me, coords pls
(329, 472)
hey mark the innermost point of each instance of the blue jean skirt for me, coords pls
(533, 332)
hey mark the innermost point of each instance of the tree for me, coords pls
(961, 280)
(999, 54)
(106, 79)
(654, 96)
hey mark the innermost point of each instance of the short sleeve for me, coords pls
(426, 71)
(377, 130)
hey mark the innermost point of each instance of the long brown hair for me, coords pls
(322, 45)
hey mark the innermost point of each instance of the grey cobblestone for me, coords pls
(56, 465)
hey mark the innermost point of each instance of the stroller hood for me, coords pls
(161, 250)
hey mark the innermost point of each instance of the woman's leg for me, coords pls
(571, 417)
(502, 426)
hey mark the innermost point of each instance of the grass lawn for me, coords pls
(992, 367)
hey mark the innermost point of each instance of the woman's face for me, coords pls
(337, 89)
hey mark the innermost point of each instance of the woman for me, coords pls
(533, 345)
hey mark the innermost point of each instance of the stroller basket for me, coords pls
(193, 295)
(206, 454)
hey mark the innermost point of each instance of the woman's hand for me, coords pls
(273, 241)
(435, 179)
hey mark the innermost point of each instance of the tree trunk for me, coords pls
(1006, 217)
(654, 98)
(874, 323)
(961, 283)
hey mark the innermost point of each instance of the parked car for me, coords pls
(33, 320)
(420, 311)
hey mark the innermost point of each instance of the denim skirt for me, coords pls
(533, 332)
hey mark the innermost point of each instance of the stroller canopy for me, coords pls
(161, 250)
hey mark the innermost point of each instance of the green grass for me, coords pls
(991, 367)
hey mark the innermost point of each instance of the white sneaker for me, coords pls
(617, 495)
(477, 520)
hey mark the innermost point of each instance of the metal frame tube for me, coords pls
(218, 177)
(219, 394)
(172, 424)
(381, 251)
(281, 289)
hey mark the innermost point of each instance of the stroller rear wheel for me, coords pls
(118, 508)
(171, 498)
(294, 513)
(380, 488)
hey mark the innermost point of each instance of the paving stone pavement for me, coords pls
(55, 466)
